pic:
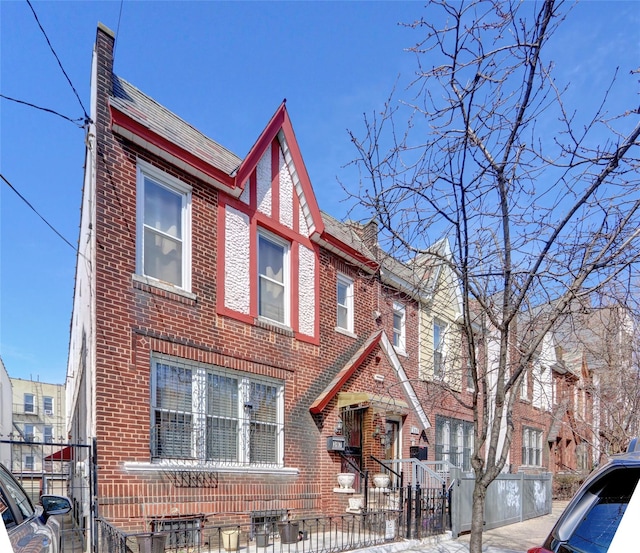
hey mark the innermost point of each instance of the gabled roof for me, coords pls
(377, 339)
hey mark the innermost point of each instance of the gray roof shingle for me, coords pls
(155, 117)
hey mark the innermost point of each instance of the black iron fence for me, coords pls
(392, 514)
(58, 468)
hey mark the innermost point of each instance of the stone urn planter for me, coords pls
(288, 531)
(381, 480)
(231, 540)
(346, 480)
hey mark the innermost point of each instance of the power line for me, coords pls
(37, 213)
(78, 122)
(86, 116)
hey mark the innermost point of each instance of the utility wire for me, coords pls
(37, 213)
(86, 116)
(78, 122)
(118, 29)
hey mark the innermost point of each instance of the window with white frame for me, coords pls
(29, 433)
(344, 296)
(454, 441)
(531, 446)
(273, 278)
(438, 348)
(524, 385)
(47, 404)
(29, 403)
(399, 324)
(29, 462)
(47, 434)
(214, 415)
(163, 246)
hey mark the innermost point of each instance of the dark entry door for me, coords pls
(352, 428)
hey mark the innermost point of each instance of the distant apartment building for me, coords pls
(5, 414)
(38, 420)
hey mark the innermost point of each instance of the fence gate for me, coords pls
(59, 469)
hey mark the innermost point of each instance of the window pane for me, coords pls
(172, 435)
(344, 304)
(343, 317)
(271, 275)
(162, 257)
(222, 417)
(342, 293)
(162, 209)
(162, 249)
(222, 439)
(173, 387)
(264, 418)
(29, 406)
(271, 259)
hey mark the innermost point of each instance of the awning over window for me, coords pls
(64, 454)
(380, 404)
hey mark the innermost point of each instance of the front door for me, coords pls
(392, 448)
(352, 428)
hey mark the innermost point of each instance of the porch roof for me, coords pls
(377, 339)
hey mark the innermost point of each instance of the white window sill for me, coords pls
(401, 351)
(165, 286)
(133, 466)
(346, 332)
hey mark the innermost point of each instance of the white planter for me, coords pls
(356, 503)
(346, 480)
(381, 480)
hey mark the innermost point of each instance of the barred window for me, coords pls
(531, 447)
(454, 441)
(215, 415)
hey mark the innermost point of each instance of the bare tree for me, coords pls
(539, 209)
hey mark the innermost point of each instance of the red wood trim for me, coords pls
(126, 122)
(268, 134)
(294, 280)
(220, 252)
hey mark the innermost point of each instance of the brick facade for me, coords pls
(138, 319)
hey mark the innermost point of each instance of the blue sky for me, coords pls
(224, 67)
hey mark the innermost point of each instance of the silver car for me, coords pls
(31, 529)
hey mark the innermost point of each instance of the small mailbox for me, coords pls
(335, 443)
(419, 453)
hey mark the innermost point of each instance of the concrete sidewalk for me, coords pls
(514, 538)
(520, 536)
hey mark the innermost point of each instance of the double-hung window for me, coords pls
(215, 416)
(454, 441)
(273, 278)
(531, 446)
(344, 295)
(47, 404)
(163, 244)
(29, 433)
(29, 403)
(47, 434)
(399, 324)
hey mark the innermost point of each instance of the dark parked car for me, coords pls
(31, 529)
(607, 503)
